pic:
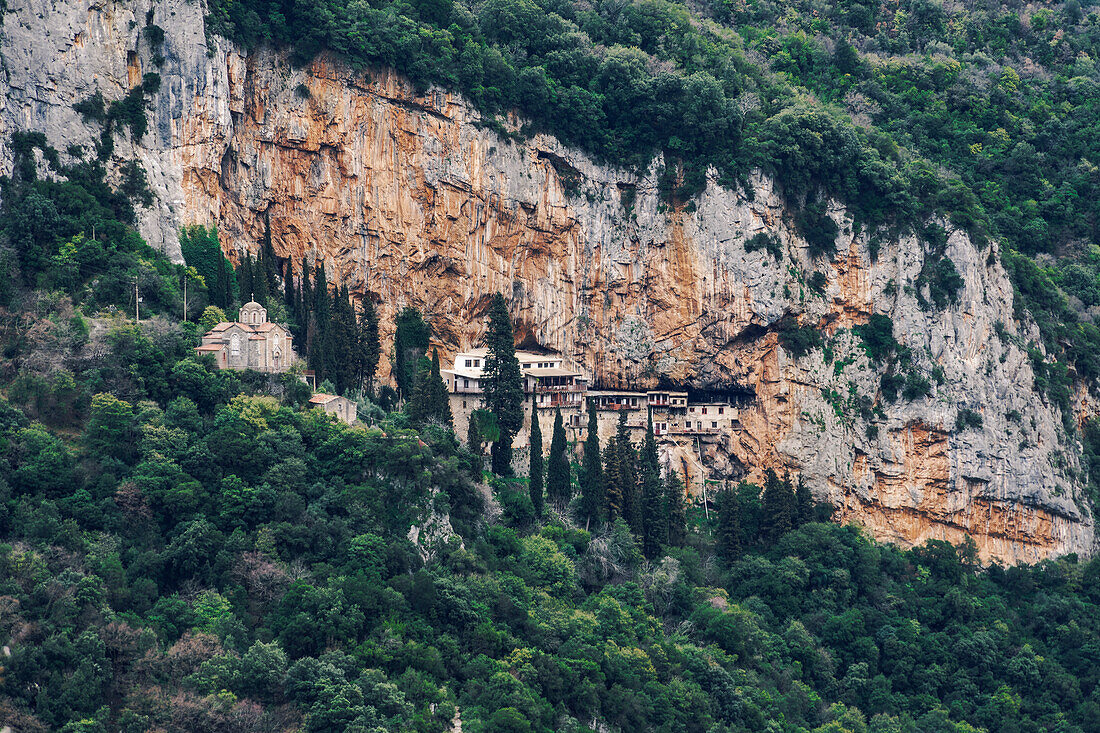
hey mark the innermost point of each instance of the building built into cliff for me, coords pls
(681, 426)
(251, 342)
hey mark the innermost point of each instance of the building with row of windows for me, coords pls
(551, 383)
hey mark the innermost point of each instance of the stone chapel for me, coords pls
(251, 342)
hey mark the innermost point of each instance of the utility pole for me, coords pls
(185, 296)
(137, 299)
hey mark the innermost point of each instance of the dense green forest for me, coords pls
(187, 549)
(911, 112)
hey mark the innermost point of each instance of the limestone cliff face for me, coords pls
(409, 199)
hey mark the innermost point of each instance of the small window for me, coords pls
(704, 411)
(634, 401)
(469, 362)
(463, 404)
(477, 362)
(714, 424)
(721, 411)
(466, 383)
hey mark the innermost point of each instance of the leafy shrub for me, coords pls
(799, 340)
(765, 241)
(966, 419)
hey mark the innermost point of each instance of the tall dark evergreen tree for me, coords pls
(558, 484)
(370, 345)
(222, 295)
(537, 472)
(677, 510)
(612, 477)
(777, 508)
(290, 291)
(729, 526)
(410, 342)
(593, 499)
(345, 342)
(244, 277)
(441, 397)
(474, 440)
(269, 262)
(502, 383)
(804, 504)
(305, 301)
(654, 515)
(621, 478)
(257, 269)
(419, 405)
(321, 348)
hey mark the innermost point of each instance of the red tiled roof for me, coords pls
(322, 399)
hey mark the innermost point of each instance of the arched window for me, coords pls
(235, 344)
(255, 315)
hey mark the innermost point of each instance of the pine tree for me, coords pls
(654, 516)
(677, 511)
(503, 384)
(537, 470)
(777, 506)
(729, 526)
(370, 345)
(593, 498)
(558, 484)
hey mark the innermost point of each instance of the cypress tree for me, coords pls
(290, 292)
(654, 515)
(628, 477)
(537, 470)
(305, 297)
(558, 484)
(320, 338)
(677, 511)
(419, 406)
(270, 268)
(244, 277)
(612, 476)
(410, 342)
(592, 483)
(729, 526)
(503, 384)
(804, 504)
(776, 508)
(441, 399)
(258, 268)
(345, 351)
(221, 296)
(370, 345)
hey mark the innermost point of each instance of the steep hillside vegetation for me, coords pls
(984, 113)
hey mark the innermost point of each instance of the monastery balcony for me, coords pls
(558, 388)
